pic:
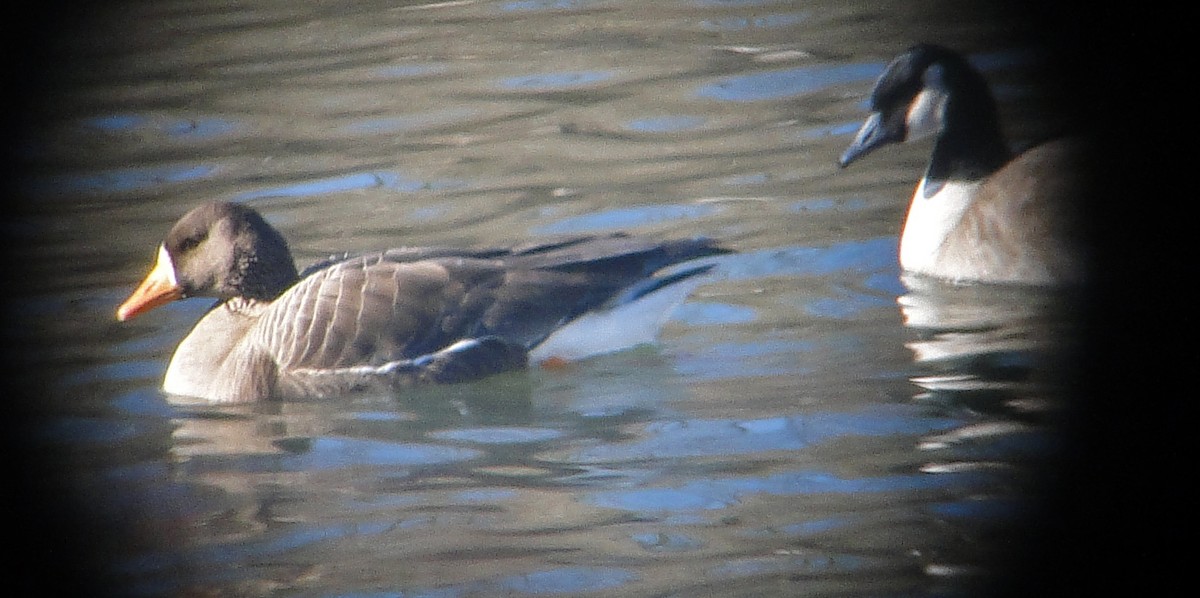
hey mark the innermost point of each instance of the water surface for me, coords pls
(810, 423)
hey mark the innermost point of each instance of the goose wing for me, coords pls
(401, 316)
(1025, 211)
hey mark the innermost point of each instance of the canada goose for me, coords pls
(979, 213)
(402, 316)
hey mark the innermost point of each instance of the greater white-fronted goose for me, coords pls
(388, 319)
(979, 213)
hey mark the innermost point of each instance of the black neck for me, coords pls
(970, 145)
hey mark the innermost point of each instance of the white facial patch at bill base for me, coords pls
(164, 264)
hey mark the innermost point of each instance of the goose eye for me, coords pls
(191, 242)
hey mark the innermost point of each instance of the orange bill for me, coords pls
(159, 288)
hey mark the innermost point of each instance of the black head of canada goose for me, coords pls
(398, 317)
(980, 213)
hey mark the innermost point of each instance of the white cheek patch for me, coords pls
(927, 110)
(924, 116)
(165, 265)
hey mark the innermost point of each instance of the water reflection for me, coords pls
(350, 182)
(724, 438)
(666, 124)
(120, 179)
(795, 431)
(626, 217)
(1001, 357)
(991, 347)
(758, 22)
(775, 85)
(555, 81)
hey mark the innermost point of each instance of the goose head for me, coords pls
(929, 90)
(222, 250)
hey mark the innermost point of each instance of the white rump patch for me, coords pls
(621, 327)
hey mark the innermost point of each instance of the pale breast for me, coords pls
(1018, 226)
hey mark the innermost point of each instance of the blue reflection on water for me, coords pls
(869, 256)
(1025, 442)
(451, 592)
(116, 122)
(555, 81)
(568, 579)
(824, 204)
(734, 3)
(841, 129)
(820, 526)
(667, 542)
(755, 22)
(713, 494)
(807, 563)
(665, 124)
(428, 212)
(985, 509)
(325, 453)
(691, 497)
(719, 437)
(498, 435)
(228, 555)
(379, 416)
(200, 128)
(410, 122)
(118, 179)
(154, 343)
(885, 282)
(778, 84)
(539, 5)
(767, 357)
(400, 71)
(490, 496)
(564, 580)
(774, 85)
(626, 218)
(143, 402)
(847, 303)
(751, 178)
(704, 313)
(122, 370)
(87, 430)
(387, 124)
(187, 128)
(349, 182)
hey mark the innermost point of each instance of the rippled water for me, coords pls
(809, 424)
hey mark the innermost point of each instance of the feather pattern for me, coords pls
(979, 213)
(393, 318)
